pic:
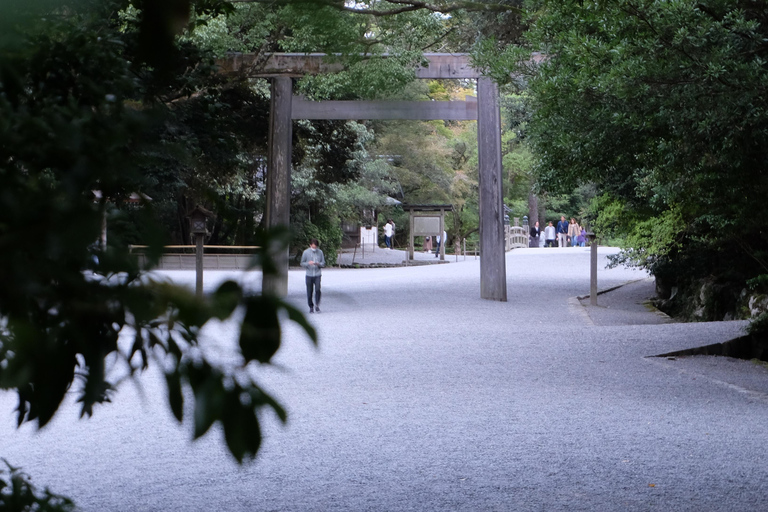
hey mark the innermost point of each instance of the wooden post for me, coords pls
(442, 233)
(199, 260)
(592, 269)
(278, 207)
(493, 271)
(103, 237)
(411, 243)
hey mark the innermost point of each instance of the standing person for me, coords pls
(389, 230)
(562, 232)
(549, 235)
(427, 244)
(440, 239)
(535, 233)
(313, 260)
(574, 230)
(582, 237)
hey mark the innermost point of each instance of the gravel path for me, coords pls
(379, 256)
(626, 305)
(424, 397)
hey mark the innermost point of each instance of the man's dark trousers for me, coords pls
(313, 282)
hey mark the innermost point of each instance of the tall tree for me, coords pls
(663, 105)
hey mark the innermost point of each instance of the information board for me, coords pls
(426, 225)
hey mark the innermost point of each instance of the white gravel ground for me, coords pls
(377, 255)
(424, 397)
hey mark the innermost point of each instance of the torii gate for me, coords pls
(285, 107)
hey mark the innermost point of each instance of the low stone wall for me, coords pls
(710, 300)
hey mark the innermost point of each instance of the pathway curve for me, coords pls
(424, 397)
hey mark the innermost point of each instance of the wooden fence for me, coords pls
(186, 261)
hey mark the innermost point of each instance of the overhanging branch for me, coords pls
(406, 6)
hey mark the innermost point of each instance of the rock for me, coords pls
(663, 288)
(758, 304)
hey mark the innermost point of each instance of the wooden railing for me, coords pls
(186, 261)
(516, 237)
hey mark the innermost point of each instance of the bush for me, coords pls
(327, 231)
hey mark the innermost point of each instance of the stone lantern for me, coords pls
(198, 222)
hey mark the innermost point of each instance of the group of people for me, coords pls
(313, 259)
(438, 241)
(566, 234)
(389, 236)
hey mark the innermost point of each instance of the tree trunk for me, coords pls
(533, 209)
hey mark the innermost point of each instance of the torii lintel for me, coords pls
(267, 65)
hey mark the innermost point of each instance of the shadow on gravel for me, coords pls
(630, 304)
(747, 347)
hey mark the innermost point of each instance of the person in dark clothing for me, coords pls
(535, 234)
(562, 232)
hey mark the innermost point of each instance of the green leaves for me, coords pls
(77, 115)
(225, 299)
(220, 393)
(297, 316)
(661, 105)
(260, 334)
(175, 395)
(222, 398)
(18, 494)
(241, 426)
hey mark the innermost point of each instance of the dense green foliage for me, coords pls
(434, 162)
(18, 494)
(662, 105)
(76, 108)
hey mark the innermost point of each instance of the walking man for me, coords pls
(562, 232)
(313, 260)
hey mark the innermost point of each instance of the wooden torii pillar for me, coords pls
(278, 210)
(493, 271)
(280, 68)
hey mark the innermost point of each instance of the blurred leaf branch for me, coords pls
(77, 96)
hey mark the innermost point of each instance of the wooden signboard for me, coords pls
(424, 225)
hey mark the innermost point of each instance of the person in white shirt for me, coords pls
(439, 239)
(550, 234)
(389, 230)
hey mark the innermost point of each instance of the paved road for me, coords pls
(424, 397)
